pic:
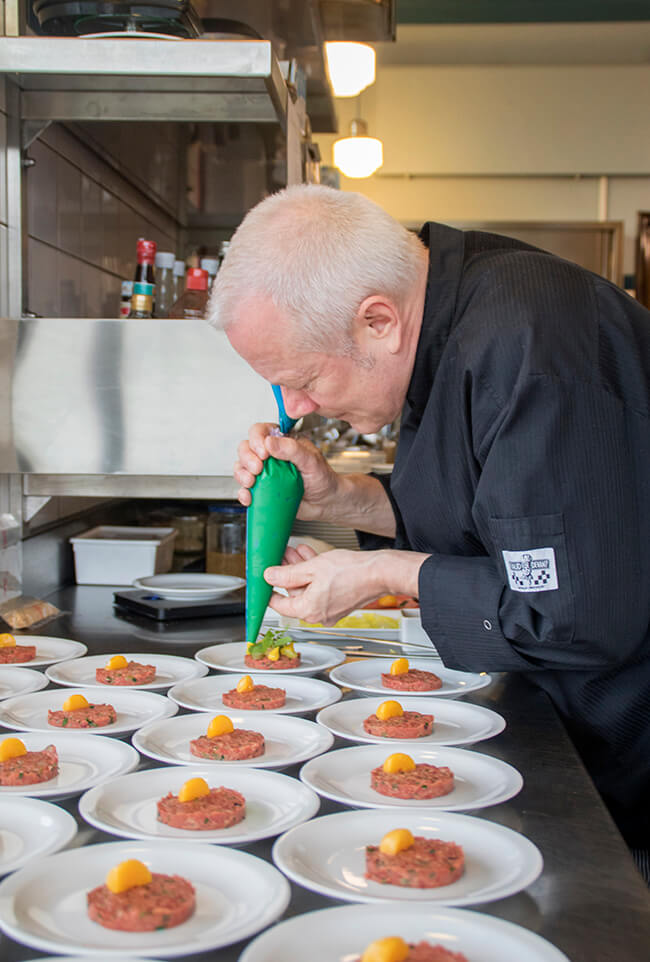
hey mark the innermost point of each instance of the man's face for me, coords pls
(358, 390)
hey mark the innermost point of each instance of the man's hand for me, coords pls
(325, 587)
(320, 481)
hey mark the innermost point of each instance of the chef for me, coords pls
(518, 510)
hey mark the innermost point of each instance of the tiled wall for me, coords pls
(86, 208)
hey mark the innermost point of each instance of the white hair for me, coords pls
(316, 253)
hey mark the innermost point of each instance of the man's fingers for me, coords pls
(288, 576)
(257, 438)
(305, 552)
(304, 456)
(244, 497)
(292, 557)
(244, 476)
(285, 606)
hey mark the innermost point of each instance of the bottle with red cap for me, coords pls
(144, 270)
(195, 299)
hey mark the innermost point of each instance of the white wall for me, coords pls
(514, 142)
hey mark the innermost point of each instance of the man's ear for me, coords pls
(378, 321)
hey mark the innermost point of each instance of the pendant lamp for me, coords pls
(351, 67)
(358, 155)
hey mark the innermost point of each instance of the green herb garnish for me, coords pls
(274, 638)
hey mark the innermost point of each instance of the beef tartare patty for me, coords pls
(258, 698)
(283, 663)
(30, 768)
(232, 747)
(424, 781)
(94, 716)
(16, 654)
(164, 902)
(412, 680)
(221, 808)
(427, 864)
(132, 674)
(424, 952)
(411, 724)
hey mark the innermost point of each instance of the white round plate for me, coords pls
(454, 722)
(343, 933)
(170, 670)
(126, 806)
(303, 694)
(133, 709)
(288, 739)
(189, 587)
(327, 855)
(237, 895)
(230, 657)
(49, 651)
(479, 780)
(366, 676)
(20, 681)
(83, 958)
(84, 761)
(31, 829)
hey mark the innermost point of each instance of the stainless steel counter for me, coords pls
(589, 901)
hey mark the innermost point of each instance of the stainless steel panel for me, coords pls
(188, 107)
(14, 176)
(104, 397)
(240, 69)
(129, 486)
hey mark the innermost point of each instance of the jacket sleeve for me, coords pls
(375, 542)
(562, 504)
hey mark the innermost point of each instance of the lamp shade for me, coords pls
(358, 155)
(351, 67)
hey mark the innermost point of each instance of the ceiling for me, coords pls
(518, 43)
(519, 11)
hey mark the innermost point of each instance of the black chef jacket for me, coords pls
(523, 467)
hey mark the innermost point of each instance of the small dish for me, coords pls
(132, 708)
(189, 587)
(327, 855)
(288, 740)
(365, 675)
(303, 694)
(230, 657)
(29, 829)
(170, 670)
(126, 806)
(20, 681)
(479, 780)
(44, 905)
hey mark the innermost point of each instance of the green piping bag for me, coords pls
(276, 495)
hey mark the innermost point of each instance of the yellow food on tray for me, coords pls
(367, 620)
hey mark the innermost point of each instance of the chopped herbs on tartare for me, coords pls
(276, 643)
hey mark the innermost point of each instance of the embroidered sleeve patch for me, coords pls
(532, 570)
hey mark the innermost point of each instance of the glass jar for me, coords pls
(190, 536)
(225, 540)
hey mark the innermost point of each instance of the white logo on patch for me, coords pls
(532, 570)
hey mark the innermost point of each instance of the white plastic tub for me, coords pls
(116, 555)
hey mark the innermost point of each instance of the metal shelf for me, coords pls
(69, 78)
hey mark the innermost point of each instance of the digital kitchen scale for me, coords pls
(163, 609)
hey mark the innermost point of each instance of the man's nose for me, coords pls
(297, 404)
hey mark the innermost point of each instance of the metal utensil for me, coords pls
(341, 633)
(357, 651)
